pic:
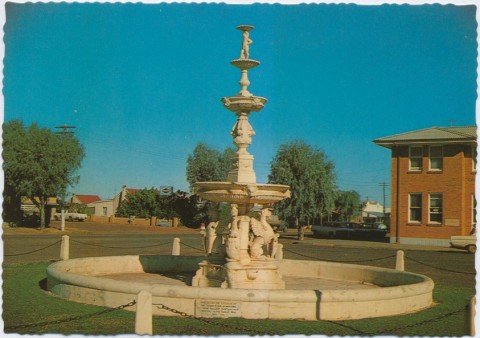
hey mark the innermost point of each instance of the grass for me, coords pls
(26, 302)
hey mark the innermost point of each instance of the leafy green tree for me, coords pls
(148, 203)
(207, 164)
(204, 165)
(38, 163)
(348, 205)
(144, 203)
(311, 178)
(190, 209)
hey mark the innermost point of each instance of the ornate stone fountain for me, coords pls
(240, 276)
(250, 244)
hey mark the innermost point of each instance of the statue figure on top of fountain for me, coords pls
(245, 52)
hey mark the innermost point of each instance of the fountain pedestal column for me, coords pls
(261, 274)
(248, 265)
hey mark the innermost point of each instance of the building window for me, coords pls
(416, 157)
(435, 213)
(415, 208)
(436, 158)
(104, 211)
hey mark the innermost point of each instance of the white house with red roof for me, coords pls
(85, 199)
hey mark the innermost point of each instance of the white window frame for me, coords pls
(410, 220)
(474, 211)
(440, 212)
(410, 157)
(430, 157)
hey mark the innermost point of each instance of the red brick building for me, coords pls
(433, 184)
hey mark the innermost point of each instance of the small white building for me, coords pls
(109, 207)
(372, 211)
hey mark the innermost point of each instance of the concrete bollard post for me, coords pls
(400, 263)
(143, 314)
(176, 247)
(473, 302)
(65, 248)
(279, 253)
(62, 223)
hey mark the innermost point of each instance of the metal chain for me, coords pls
(376, 259)
(348, 327)
(119, 247)
(204, 320)
(449, 314)
(29, 252)
(70, 319)
(385, 331)
(443, 269)
(192, 247)
(337, 261)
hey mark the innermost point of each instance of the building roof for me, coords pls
(466, 134)
(85, 199)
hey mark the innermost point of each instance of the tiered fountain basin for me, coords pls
(315, 290)
(242, 193)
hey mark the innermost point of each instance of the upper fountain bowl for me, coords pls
(241, 193)
(242, 103)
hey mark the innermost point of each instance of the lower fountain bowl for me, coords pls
(315, 290)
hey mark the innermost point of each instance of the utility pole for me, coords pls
(65, 129)
(383, 185)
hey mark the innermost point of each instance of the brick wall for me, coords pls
(124, 220)
(456, 182)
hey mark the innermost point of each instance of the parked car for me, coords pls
(468, 243)
(163, 223)
(332, 230)
(380, 226)
(71, 216)
(348, 230)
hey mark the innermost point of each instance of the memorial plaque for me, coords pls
(217, 309)
(452, 222)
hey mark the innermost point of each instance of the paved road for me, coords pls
(89, 240)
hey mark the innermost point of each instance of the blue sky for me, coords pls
(142, 83)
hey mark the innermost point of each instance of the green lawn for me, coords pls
(25, 302)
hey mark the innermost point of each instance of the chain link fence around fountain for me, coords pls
(468, 309)
(200, 249)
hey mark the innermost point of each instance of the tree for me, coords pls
(190, 209)
(204, 165)
(207, 164)
(38, 163)
(311, 178)
(348, 205)
(144, 203)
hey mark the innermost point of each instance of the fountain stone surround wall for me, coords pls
(83, 280)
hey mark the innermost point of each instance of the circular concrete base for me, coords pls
(315, 290)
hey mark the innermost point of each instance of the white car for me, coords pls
(380, 226)
(468, 243)
(71, 216)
